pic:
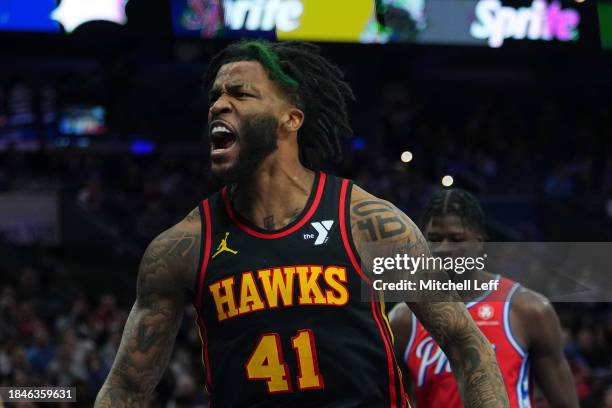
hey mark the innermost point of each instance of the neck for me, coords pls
(276, 195)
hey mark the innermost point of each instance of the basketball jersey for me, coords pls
(281, 315)
(434, 383)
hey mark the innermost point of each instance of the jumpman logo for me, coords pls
(223, 247)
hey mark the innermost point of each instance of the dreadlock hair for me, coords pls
(455, 201)
(310, 82)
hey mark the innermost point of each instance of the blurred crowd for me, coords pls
(53, 333)
(503, 141)
(552, 150)
(141, 195)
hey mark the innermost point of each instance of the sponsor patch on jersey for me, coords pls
(486, 313)
(322, 229)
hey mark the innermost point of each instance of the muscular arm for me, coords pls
(151, 328)
(400, 320)
(470, 354)
(537, 317)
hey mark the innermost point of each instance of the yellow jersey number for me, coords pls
(267, 363)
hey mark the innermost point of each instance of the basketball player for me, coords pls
(521, 324)
(271, 263)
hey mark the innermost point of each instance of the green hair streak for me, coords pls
(269, 60)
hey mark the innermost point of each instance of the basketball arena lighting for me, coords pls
(447, 180)
(406, 156)
(72, 13)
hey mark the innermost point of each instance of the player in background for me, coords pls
(521, 324)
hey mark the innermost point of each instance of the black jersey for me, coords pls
(280, 313)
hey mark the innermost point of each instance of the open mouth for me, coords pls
(221, 136)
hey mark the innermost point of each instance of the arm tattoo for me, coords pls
(149, 333)
(471, 356)
(184, 240)
(269, 222)
(146, 338)
(441, 313)
(379, 219)
(193, 215)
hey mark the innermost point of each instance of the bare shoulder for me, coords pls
(359, 194)
(400, 313)
(534, 320)
(361, 199)
(170, 261)
(374, 219)
(400, 317)
(532, 306)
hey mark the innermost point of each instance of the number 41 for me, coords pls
(267, 362)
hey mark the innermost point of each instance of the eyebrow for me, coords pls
(236, 87)
(232, 88)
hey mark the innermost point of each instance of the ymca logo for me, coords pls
(322, 228)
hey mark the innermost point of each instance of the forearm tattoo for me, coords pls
(151, 328)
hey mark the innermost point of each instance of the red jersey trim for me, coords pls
(345, 239)
(315, 203)
(206, 230)
(344, 233)
(508, 324)
(205, 359)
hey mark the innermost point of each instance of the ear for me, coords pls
(292, 120)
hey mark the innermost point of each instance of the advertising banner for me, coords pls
(489, 23)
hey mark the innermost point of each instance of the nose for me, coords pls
(221, 105)
(442, 248)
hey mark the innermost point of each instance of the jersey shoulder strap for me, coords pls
(206, 225)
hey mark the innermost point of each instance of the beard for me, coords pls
(258, 140)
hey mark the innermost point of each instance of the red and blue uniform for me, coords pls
(434, 383)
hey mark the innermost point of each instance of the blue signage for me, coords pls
(30, 15)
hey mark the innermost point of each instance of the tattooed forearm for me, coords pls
(470, 354)
(149, 333)
(381, 230)
(141, 359)
(478, 376)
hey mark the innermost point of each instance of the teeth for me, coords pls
(218, 129)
